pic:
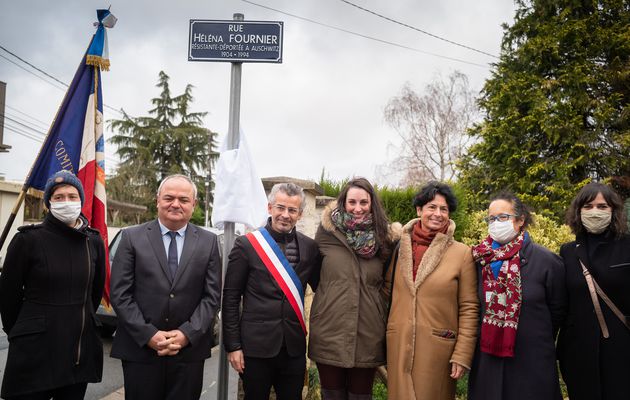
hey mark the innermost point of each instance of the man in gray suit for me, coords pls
(165, 288)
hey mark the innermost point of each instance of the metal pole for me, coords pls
(228, 230)
(208, 180)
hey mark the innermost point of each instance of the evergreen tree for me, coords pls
(170, 140)
(556, 112)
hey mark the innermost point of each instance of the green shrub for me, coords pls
(544, 231)
(398, 203)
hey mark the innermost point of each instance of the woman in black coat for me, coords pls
(523, 302)
(596, 367)
(50, 288)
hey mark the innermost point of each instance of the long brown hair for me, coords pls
(381, 221)
(618, 224)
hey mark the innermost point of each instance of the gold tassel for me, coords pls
(97, 61)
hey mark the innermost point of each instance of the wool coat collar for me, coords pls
(431, 258)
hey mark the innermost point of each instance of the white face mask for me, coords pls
(66, 211)
(502, 232)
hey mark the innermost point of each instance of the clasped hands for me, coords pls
(168, 343)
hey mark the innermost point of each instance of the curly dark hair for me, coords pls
(618, 225)
(433, 188)
(521, 210)
(379, 216)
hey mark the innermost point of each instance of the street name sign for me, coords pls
(235, 41)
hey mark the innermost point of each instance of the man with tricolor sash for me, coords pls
(269, 269)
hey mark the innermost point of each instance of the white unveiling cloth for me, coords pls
(239, 195)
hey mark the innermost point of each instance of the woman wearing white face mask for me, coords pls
(594, 344)
(523, 302)
(50, 287)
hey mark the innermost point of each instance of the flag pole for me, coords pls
(14, 211)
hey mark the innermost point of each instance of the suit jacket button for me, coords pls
(165, 319)
(172, 296)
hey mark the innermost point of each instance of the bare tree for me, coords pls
(433, 127)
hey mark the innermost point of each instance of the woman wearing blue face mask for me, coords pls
(594, 341)
(523, 302)
(50, 288)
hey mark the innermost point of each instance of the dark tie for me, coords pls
(172, 254)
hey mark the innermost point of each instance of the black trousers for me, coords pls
(166, 379)
(283, 372)
(71, 392)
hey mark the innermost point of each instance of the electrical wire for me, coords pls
(37, 136)
(40, 122)
(23, 120)
(6, 117)
(32, 66)
(32, 73)
(65, 85)
(418, 29)
(365, 36)
(23, 133)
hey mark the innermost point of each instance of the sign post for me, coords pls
(235, 41)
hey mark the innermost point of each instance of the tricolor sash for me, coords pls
(279, 267)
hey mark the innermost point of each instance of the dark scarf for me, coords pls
(359, 234)
(420, 242)
(503, 295)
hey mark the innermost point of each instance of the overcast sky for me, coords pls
(321, 108)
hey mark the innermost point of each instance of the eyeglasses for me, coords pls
(281, 209)
(501, 218)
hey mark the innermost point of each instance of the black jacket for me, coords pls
(50, 288)
(595, 368)
(267, 319)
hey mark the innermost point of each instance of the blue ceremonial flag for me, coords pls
(75, 141)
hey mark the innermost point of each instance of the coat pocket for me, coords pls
(28, 326)
(444, 334)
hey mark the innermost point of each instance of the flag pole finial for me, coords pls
(98, 54)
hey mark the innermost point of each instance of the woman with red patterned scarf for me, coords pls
(523, 302)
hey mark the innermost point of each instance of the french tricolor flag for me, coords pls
(75, 140)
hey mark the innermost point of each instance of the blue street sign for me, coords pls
(235, 41)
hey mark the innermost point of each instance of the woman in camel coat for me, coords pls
(432, 326)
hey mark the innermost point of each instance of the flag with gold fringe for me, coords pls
(75, 141)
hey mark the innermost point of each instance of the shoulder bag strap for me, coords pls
(611, 305)
(594, 289)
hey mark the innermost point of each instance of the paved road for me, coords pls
(113, 378)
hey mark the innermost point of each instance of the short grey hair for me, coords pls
(184, 177)
(290, 189)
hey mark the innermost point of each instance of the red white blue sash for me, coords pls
(281, 270)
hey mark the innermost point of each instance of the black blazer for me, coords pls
(146, 299)
(267, 319)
